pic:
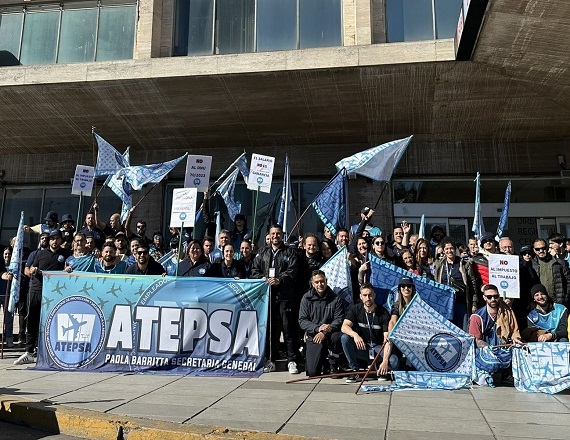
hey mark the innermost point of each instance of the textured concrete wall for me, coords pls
(148, 32)
(357, 22)
(378, 21)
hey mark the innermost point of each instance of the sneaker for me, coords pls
(26, 358)
(292, 367)
(384, 378)
(353, 378)
(269, 367)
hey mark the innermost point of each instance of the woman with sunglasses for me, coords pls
(456, 273)
(197, 264)
(381, 250)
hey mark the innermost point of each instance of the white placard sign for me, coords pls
(83, 180)
(183, 207)
(261, 173)
(504, 273)
(198, 172)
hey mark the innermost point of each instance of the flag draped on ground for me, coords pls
(478, 226)
(15, 267)
(422, 380)
(377, 163)
(226, 191)
(286, 196)
(330, 204)
(504, 213)
(337, 270)
(542, 367)
(140, 175)
(385, 276)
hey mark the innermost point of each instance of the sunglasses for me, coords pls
(406, 286)
(492, 296)
(526, 253)
(379, 242)
(540, 249)
(142, 252)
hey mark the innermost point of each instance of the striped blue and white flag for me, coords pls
(109, 160)
(15, 266)
(241, 165)
(226, 191)
(432, 343)
(542, 367)
(504, 213)
(140, 175)
(122, 188)
(478, 226)
(422, 232)
(286, 196)
(377, 163)
(422, 380)
(384, 277)
(330, 204)
(337, 270)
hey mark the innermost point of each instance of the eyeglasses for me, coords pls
(540, 249)
(497, 296)
(379, 243)
(406, 286)
(142, 252)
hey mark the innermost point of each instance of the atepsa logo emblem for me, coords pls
(443, 352)
(74, 332)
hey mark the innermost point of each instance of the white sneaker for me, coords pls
(26, 358)
(269, 367)
(292, 366)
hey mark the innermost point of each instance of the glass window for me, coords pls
(446, 16)
(77, 37)
(409, 20)
(276, 25)
(320, 23)
(116, 36)
(17, 200)
(201, 27)
(235, 26)
(10, 33)
(39, 43)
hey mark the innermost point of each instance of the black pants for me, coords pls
(23, 315)
(317, 360)
(33, 327)
(283, 317)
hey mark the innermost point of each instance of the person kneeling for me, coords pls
(548, 321)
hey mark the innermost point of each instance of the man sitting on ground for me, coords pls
(548, 322)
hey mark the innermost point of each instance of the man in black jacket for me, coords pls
(320, 317)
(552, 272)
(277, 263)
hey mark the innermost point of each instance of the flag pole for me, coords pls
(148, 192)
(179, 248)
(94, 161)
(380, 196)
(255, 216)
(6, 296)
(225, 172)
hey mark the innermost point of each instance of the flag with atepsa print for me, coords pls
(504, 213)
(422, 380)
(330, 204)
(15, 266)
(226, 190)
(286, 196)
(478, 226)
(542, 367)
(432, 343)
(337, 270)
(384, 276)
(109, 160)
(140, 175)
(377, 163)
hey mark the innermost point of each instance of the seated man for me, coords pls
(365, 329)
(493, 326)
(548, 322)
(320, 317)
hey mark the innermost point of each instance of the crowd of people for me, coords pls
(318, 328)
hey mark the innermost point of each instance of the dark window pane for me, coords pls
(181, 14)
(446, 17)
(40, 37)
(10, 32)
(116, 36)
(235, 26)
(409, 20)
(276, 25)
(201, 27)
(321, 23)
(77, 36)
(17, 200)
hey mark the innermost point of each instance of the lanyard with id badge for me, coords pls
(371, 353)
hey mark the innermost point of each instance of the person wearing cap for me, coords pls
(365, 227)
(49, 225)
(52, 258)
(171, 264)
(121, 244)
(365, 333)
(552, 273)
(480, 262)
(67, 228)
(548, 321)
(240, 231)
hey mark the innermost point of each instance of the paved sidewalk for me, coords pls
(326, 409)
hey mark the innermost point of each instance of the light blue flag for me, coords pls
(377, 163)
(138, 176)
(337, 270)
(478, 226)
(422, 380)
(330, 204)
(109, 160)
(384, 277)
(504, 213)
(542, 367)
(432, 343)
(15, 266)
(226, 191)
(122, 188)
(422, 232)
(286, 196)
(241, 165)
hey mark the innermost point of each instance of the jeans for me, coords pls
(353, 354)
(9, 319)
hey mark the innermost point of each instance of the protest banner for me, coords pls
(83, 180)
(183, 213)
(504, 273)
(198, 172)
(261, 173)
(120, 323)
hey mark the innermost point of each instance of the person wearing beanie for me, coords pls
(548, 321)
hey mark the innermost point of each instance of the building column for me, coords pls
(148, 33)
